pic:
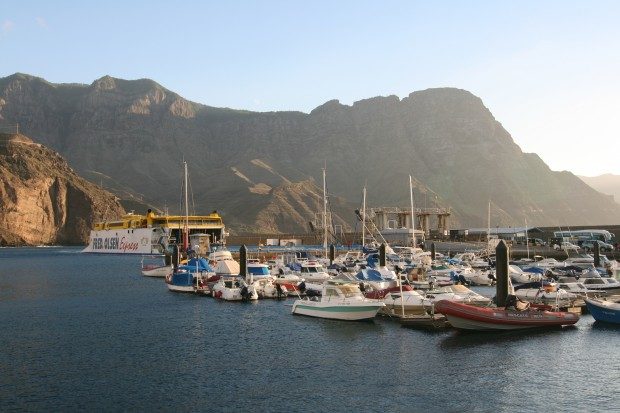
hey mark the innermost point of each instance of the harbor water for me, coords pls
(88, 332)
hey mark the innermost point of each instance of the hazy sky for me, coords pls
(548, 70)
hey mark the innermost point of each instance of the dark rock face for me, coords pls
(42, 201)
(254, 167)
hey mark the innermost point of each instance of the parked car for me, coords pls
(603, 246)
(536, 241)
(566, 246)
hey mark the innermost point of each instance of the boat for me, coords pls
(469, 317)
(313, 272)
(518, 276)
(473, 277)
(375, 279)
(546, 293)
(155, 269)
(602, 284)
(606, 310)
(234, 289)
(152, 234)
(457, 293)
(191, 277)
(339, 301)
(148, 234)
(572, 285)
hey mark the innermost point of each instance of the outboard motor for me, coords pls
(279, 292)
(245, 293)
(491, 276)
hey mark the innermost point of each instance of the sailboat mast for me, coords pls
(186, 222)
(489, 222)
(364, 217)
(527, 240)
(324, 215)
(412, 213)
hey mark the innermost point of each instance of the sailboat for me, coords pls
(191, 277)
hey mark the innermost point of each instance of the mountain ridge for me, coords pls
(445, 137)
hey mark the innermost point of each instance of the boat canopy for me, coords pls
(368, 274)
(197, 264)
(182, 279)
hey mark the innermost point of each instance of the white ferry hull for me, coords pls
(144, 241)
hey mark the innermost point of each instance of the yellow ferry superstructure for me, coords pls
(151, 233)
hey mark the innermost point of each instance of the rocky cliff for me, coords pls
(42, 200)
(253, 167)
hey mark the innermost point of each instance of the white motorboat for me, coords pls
(339, 301)
(476, 277)
(410, 301)
(375, 279)
(518, 276)
(152, 269)
(234, 289)
(602, 284)
(548, 294)
(571, 285)
(457, 293)
(313, 272)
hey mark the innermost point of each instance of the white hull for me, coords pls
(354, 311)
(180, 289)
(144, 241)
(161, 272)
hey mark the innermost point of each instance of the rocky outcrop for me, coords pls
(136, 133)
(42, 200)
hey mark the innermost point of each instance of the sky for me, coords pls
(547, 70)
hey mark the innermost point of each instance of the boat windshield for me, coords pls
(259, 270)
(350, 290)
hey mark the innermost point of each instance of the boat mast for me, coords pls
(324, 215)
(364, 217)
(412, 214)
(527, 241)
(489, 229)
(186, 222)
(400, 279)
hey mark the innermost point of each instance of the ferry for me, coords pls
(151, 234)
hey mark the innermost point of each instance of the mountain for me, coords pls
(608, 184)
(260, 169)
(42, 200)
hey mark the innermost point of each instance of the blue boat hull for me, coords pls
(603, 313)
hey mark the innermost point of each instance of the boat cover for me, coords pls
(369, 274)
(197, 264)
